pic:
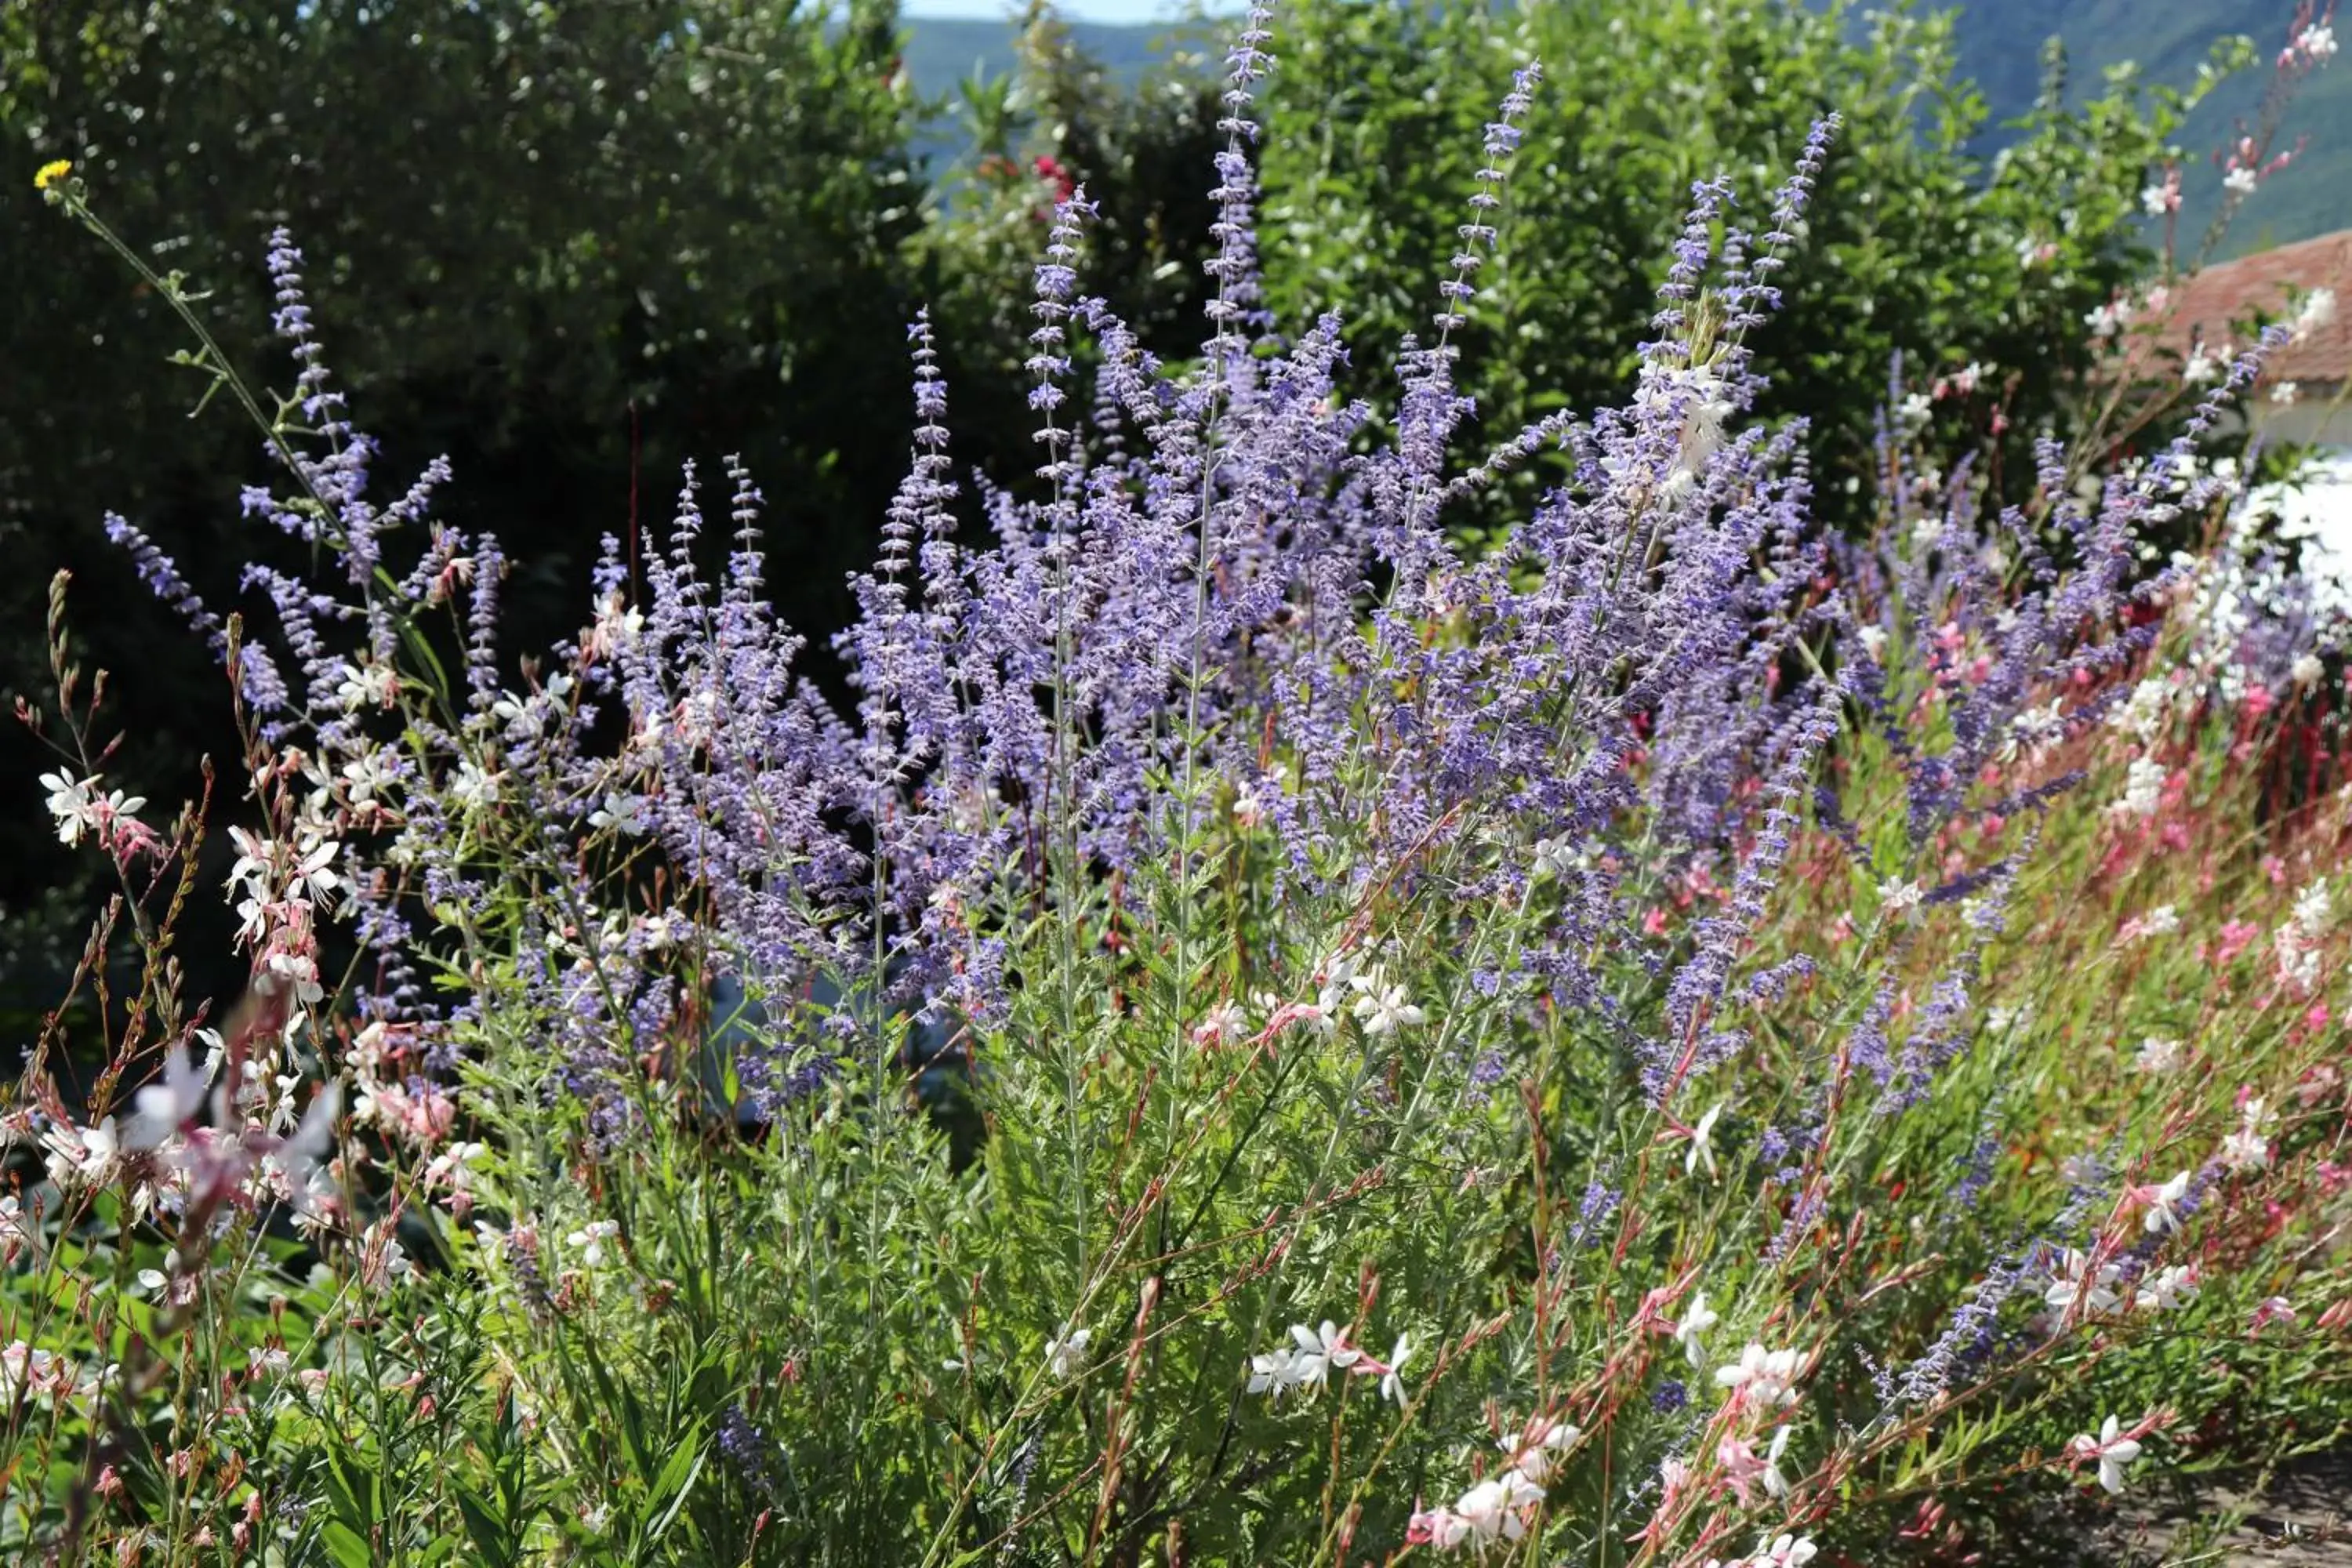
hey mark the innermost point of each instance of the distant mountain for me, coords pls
(943, 50)
(2000, 48)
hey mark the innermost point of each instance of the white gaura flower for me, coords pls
(21, 1365)
(81, 1156)
(1441, 1528)
(2163, 1205)
(1694, 1324)
(2143, 714)
(382, 1260)
(2158, 1054)
(310, 1185)
(365, 778)
(2142, 794)
(1226, 1021)
(164, 1107)
(1534, 1449)
(1702, 1145)
(2245, 1150)
(1899, 899)
(2034, 731)
(1552, 858)
(1381, 1008)
(1320, 1352)
(2319, 305)
(617, 627)
(18, 1229)
(373, 685)
(589, 1241)
(624, 812)
(1783, 1552)
(1067, 1351)
(2111, 1450)
(1497, 1510)
(1776, 1485)
(2311, 910)
(2002, 1020)
(1392, 1379)
(1276, 1371)
(473, 787)
(2097, 1291)
(71, 803)
(1762, 1377)
(2169, 1288)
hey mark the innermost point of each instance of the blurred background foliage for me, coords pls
(567, 245)
(570, 244)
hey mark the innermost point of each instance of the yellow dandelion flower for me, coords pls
(51, 174)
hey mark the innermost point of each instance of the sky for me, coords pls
(1076, 10)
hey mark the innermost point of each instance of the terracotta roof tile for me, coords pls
(2208, 301)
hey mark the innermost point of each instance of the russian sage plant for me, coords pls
(1252, 1035)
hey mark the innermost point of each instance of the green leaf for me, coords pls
(676, 1482)
(346, 1546)
(491, 1540)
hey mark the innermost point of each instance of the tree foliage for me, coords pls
(565, 243)
(1917, 246)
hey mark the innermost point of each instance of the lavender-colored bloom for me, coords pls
(751, 1453)
(1593, 1211)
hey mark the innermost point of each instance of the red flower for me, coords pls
(1066, 184)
